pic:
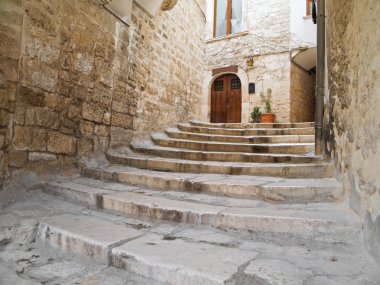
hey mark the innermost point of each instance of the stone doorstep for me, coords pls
(292, 220)
(175, 133)
(245, 132)
(250, 187)
(252, 125)
(309, 170)
(279, 148)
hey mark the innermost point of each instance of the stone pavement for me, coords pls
(140, 248)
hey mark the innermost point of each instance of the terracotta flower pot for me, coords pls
(267, 118)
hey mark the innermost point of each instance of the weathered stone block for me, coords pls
(2, 141)
(42, 50)
(32, 96)
(39, 75)
(120, 106)
(20, 115)
(120, 136)
(122, 120)
(42, 118)
(29, 138)
(9, 67)
(86, 128)
(60, 143)
(74, 113)
(69, 127)
(4, 118)
(101, 130)
(17, 158)
(9, 45)
(84, 63)
(38, 156)
(85, 146)
(40, 19)
(56, 102)
(92, 112)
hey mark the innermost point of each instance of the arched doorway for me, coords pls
(226, 99)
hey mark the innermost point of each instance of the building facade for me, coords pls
(268, 34)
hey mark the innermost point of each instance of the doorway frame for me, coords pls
(208, 81)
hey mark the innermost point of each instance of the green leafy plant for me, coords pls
(268, 101)
(255, 115)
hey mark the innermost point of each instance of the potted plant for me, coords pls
(268, 116)
(255, 115)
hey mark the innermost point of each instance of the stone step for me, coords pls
(177, 134)
(246, 132)
(304, 170)
(147, 148)
(236, 186)
(253, 125)
(170, 254)
(317, 221)
(284, 148)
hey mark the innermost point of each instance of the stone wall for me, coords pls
(353, 119)
(267, 37)
(11, 15)
(167, 55)
(80, 80)
(302, 95)
(74, 58)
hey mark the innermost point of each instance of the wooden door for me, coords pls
(226, 99)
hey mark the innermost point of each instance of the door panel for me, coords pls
(226, 100)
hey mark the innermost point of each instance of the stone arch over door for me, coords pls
(209, 78)
(226, 99)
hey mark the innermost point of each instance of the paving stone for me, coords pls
(86, 235)
(179, 262)
(58, 270)
(8, 277)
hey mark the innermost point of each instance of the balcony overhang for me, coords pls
(306, 59)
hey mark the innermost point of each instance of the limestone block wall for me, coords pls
(78, 80)
(353, 119)
(11, 15)
(266, 36)
(302, 95)
(167, 57)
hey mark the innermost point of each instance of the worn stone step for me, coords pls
(237, 186)
(283, 148)
(177, 134)
(305, 170)
(88, 236)
(321, 221)
(194, 255)
(246, 132)
(148, 148)
(253, 125)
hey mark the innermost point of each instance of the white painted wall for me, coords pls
(302, 28)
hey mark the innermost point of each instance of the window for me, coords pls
(235, 83)
(218, 85)
(227, 17)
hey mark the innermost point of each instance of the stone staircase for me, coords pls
(259, 185)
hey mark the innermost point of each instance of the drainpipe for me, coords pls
(320, 84)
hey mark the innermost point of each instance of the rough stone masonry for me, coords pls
(75, 80)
